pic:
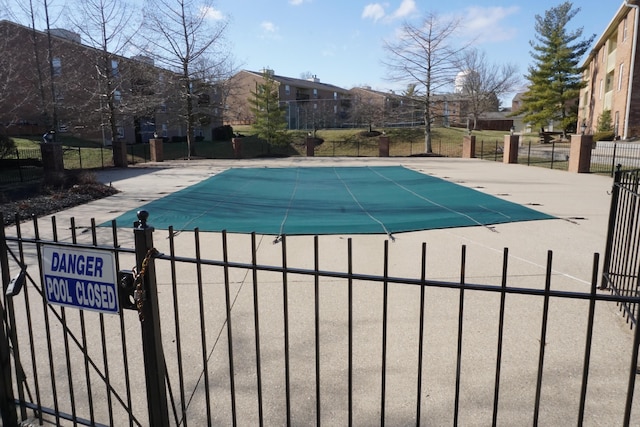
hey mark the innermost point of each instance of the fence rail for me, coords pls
(282, 341)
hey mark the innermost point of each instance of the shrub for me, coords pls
(222, 133)
(604, 122)
(7, 145)
(604, 136)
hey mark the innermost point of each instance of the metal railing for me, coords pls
(621, 269)
(281, 344)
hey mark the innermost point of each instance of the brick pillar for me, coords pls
(237, 147)
(469, 147)
(580, 153)
(156, 149)
(120, 154)
(311, 145)
(510, 149)
(52, 159)
(383, 143)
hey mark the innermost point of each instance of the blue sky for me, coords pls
(340, 40)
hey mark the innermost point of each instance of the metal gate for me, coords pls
(208, 335)
(621, 270)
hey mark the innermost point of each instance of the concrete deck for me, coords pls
(581, 204)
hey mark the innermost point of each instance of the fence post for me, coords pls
(580, 154)
(469, 147)
(613, 211)
(154, 364)
(8, 412)
(510, 152)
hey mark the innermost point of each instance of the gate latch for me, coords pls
(15, 285)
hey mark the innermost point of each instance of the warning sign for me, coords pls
(80, 278)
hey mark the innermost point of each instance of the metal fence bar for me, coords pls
(543, 339)
(65, 337)
(203, 338)
(350, 332)
(285, 303)
(385, 309)
(176, 319)
(123, 335)
(456, 407)
(8, 413)
(589, 340)
(232, 384)
(34, 366)
(496, 393)
(316, 304)
(256, 315)
(423, 277)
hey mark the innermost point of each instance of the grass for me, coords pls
(337, 142)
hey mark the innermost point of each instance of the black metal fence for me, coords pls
(21, 165)
(621, 270)
(230, 339)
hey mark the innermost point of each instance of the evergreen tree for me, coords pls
(555, 78)
(270, 120)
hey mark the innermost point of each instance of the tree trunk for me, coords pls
(427, 134)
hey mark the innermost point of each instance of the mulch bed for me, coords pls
(34, 200)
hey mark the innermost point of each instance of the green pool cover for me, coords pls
(327, 200)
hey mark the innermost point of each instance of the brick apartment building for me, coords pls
(70, 91)
(309, 103)
(611, 73)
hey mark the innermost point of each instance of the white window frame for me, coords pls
(620, 75)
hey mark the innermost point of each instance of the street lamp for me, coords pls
(583, 128)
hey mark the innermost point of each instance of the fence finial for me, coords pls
(142, 219)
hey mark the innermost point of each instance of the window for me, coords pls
(608, 86)
(165, 130)
(315, 93)
(57, 66)
(601, 89)
(620, 74)
(163, 108)
(624, 29)
(117, 96)
(120, 130)
(616, 122)
(59, 95)
(114, 68)
(335, 95)
(287, 90)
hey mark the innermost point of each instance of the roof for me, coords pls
(301, 82)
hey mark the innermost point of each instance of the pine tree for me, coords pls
(270, 120)
(555, 78)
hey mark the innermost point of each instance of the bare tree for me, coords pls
(107, 26)
(484, 83)
(422, 55)
(184, 36)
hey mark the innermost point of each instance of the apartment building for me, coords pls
(612, 76)
(309, 103)
(54, 81)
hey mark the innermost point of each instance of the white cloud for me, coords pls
(269, 30)
(373, 11)
(407, 7)
(298, 2)
(377, 11)
(211, 13)
(488, 24)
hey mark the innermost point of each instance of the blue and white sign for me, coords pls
(80, 278)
